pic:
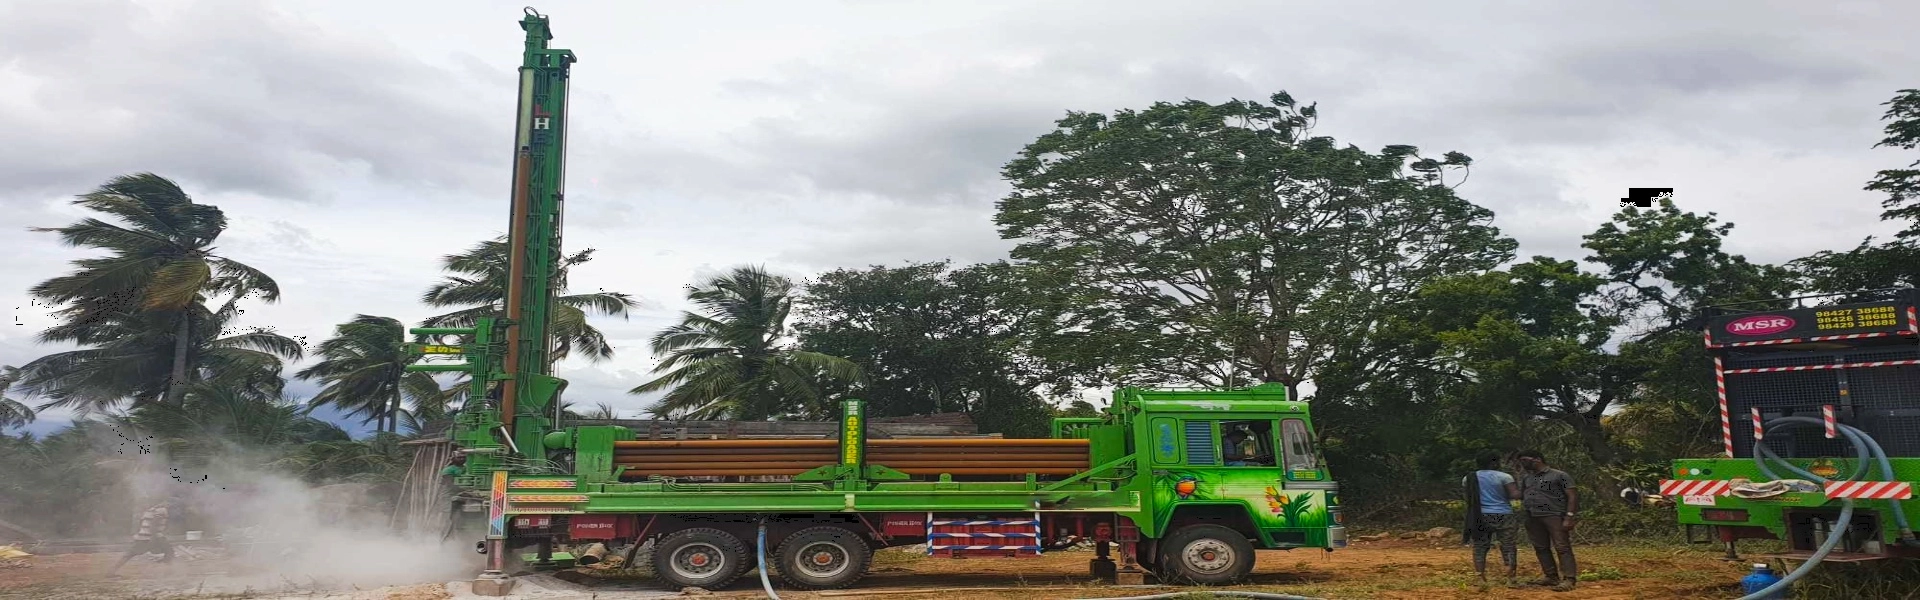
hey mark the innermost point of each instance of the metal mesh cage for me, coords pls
(1880, 399)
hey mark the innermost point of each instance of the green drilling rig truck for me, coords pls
(1182, 484)
(1820, 426)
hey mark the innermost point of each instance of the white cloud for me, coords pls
(352, 143)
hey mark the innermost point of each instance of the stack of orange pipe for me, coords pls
(927, 456)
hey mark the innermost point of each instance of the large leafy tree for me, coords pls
(735, 357)
(934, 339)
(477, 281)
(1223, 244)
(363, 369)
(1902, 186)
(1896, 262)
(158, 272)
(1666, 264)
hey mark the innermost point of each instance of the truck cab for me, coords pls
(1243, 461)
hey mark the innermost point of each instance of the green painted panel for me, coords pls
(1770, 513)
(1259, 490)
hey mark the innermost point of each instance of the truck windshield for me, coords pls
(1299, 446)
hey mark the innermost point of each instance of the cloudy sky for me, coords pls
(352, 143)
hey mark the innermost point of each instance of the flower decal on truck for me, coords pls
(1289, 508)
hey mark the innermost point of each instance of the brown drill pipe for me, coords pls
(808, 464)
(876, 444)
(705, 444)
(826, 457)
(516, 281)
(642, 473)
(975, 442)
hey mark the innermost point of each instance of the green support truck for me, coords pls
(1798, 380)
(1183, 484)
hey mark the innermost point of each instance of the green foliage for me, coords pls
(135, 355)
(1902, 186)
(933, 340)
(13, 413)
(1867, 266)
(1221, 244)
(363, 368)
(142, 307)
(733, 360)
(478, 281)
(1897, 262)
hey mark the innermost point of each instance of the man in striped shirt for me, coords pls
(152, 536)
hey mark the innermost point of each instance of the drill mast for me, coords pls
(509, 358)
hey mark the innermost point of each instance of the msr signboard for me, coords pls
(1876, 318)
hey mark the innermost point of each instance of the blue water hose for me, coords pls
(1864, 445)
(760, 553)
(1846, 516)
(1866, 448)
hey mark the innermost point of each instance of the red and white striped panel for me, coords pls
(1864, 365)
(1726, 416)
(1870, 490)
(1819, 338)
(1826, 417)
(1694, 487)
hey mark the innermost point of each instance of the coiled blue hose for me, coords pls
(1867, 448)
(1864, 445)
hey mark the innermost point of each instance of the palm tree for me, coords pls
(160, 266)
(733, 360)
(363, 367)
(212, 420)
(479, 283)
(12, 412)
(135, 355)
(601, 411)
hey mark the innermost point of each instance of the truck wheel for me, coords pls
(1206, 555)
(823, 558)
(700, 557)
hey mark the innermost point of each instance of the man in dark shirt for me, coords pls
(1548, 497)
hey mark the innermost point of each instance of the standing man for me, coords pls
(1490, 493)
(1548, 497)
(152, 536)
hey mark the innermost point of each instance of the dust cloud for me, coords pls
(264, 530)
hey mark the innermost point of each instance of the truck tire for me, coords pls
(823, 558)
(700, 557)
(1206, 555)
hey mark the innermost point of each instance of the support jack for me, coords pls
(492, 583)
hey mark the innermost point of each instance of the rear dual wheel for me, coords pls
(701, 557)
(823, 558)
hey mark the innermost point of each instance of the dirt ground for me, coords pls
(1389, 569)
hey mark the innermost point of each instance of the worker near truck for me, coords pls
(1490, 493)
(151, 537)
(1548, 497)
